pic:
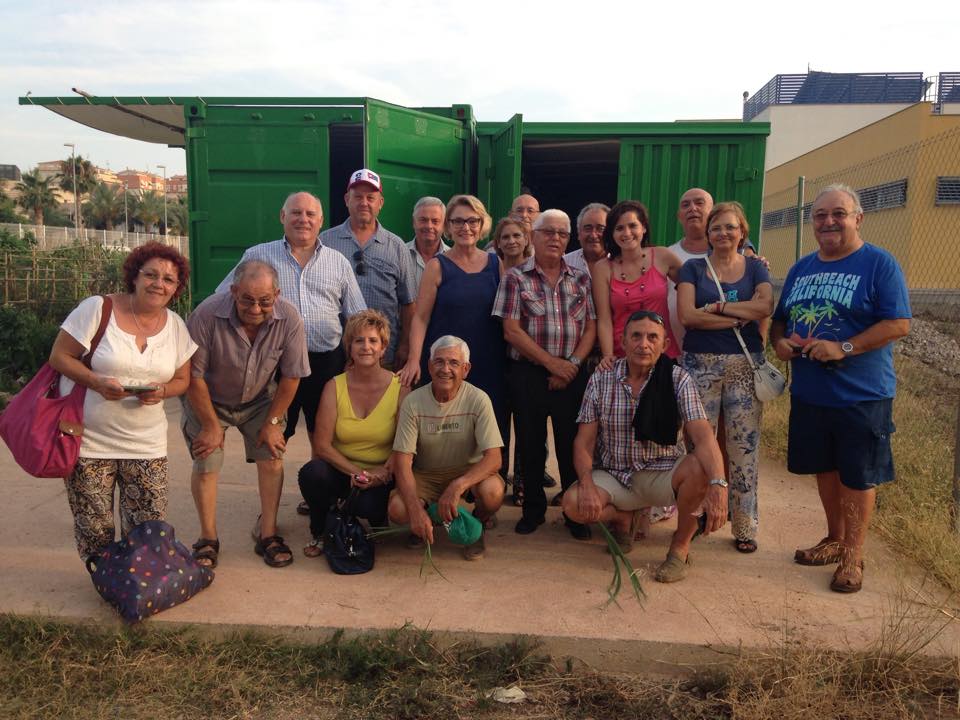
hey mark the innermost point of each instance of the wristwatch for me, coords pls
(574, 359)
(718, 481)
(278, 420)
(847, 347)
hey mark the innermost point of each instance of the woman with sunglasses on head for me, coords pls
(456, 297)
(634, 277)
(142, 358)
(713, 355)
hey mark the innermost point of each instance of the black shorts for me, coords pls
(854, 440)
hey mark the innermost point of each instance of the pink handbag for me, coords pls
(42, 428)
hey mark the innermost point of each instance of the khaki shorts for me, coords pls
(649, 488)
(432, 483)
(248, 419)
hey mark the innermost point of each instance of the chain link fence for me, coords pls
(911, 203)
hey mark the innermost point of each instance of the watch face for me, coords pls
(847, 347)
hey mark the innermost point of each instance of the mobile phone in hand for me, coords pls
(137, 389)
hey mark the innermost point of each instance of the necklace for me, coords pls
(643, 271)
(137, 321)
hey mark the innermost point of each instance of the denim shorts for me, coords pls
(853, 440)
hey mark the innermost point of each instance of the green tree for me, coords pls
(36, 194)
(8, 210)
(86, 176)
(177, 215)
(104, 206)
(149, 209)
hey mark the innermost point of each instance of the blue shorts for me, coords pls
(854, 441)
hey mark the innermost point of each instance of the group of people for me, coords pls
(410, 361)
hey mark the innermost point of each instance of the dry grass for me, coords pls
(57, 670)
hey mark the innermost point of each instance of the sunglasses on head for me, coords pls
(645, 315)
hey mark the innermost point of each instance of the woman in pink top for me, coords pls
(634, 278)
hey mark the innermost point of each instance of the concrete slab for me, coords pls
(545, 584)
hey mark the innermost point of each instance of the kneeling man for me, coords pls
(447, 443)
(631, 416)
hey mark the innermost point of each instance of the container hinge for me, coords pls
(460, 133)
(196, 132)
(745, 173)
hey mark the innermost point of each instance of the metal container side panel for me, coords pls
(416, 154)
(243, 162)
(499, 159)
(658, 170)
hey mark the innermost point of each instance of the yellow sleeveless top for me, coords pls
(366, 441)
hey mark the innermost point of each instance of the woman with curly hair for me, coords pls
(142, 358)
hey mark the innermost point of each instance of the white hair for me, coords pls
(255, 268)
(552, 214)
(841, 187)
(430, 201)
(450, 341)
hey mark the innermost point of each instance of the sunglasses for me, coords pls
(645, 315)
(360, 268)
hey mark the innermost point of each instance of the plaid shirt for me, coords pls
(609, 401)
(554, 318)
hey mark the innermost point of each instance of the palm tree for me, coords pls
(86, 176)
(104, 207)
(149, 209)
(177, 215)
(36, 193)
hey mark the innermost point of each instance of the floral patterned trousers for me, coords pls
(143, 496)
(725, 382)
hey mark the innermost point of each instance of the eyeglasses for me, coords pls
(249, 302)
(589, 229)
(153, 276)
(360, 269)
(550, 232)
(718, 229)
(471, 222)
(441, 363)
(821, 216)
(645, 315)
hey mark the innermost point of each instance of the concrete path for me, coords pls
(545, 584)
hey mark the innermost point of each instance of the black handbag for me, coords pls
(345, 543)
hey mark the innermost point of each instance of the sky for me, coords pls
(594, 61)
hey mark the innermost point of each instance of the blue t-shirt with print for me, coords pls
(723, 342)
(835, 301)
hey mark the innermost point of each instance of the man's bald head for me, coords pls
(525, 209)
(695, 205)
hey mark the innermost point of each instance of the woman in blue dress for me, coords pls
(456, 297)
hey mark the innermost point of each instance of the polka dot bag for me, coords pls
(147, 572)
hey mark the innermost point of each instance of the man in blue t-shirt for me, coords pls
(841, 309)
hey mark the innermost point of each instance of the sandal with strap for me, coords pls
(745, 546)
(206, 552)
(270, 547)
(848, 578)
(825, 552)
(314, 548)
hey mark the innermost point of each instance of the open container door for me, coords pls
(728, 163)
(243, 161)
(416, 154)
(499, 167)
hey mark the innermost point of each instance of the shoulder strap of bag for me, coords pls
(736, 330)
(104, 319)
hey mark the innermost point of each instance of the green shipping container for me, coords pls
(245, 155)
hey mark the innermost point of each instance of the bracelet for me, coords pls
(163, 386)
(723, 307)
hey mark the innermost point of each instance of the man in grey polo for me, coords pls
(380, 260)
(244, 338)
(320, 283)
(427, 243)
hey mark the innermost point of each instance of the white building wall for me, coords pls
(798, 129)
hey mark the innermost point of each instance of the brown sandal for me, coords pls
(848, 578)
(825, 552)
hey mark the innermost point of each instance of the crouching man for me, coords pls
(632, 416)
(447, 444)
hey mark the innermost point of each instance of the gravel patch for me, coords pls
(931, 346)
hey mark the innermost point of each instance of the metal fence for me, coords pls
(50, 237)
(911, 202)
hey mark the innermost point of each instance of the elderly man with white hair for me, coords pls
(428, 216)
(550, 323)
(447, 444)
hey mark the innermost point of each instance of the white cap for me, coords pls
(364, 176)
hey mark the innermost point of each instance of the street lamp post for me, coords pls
(76, 203)
(126, 219)
(166, 229)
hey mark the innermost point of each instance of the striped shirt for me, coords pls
(387, 281)
(609, 401)
(554, 318)
(325, 291)
(418, 263)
